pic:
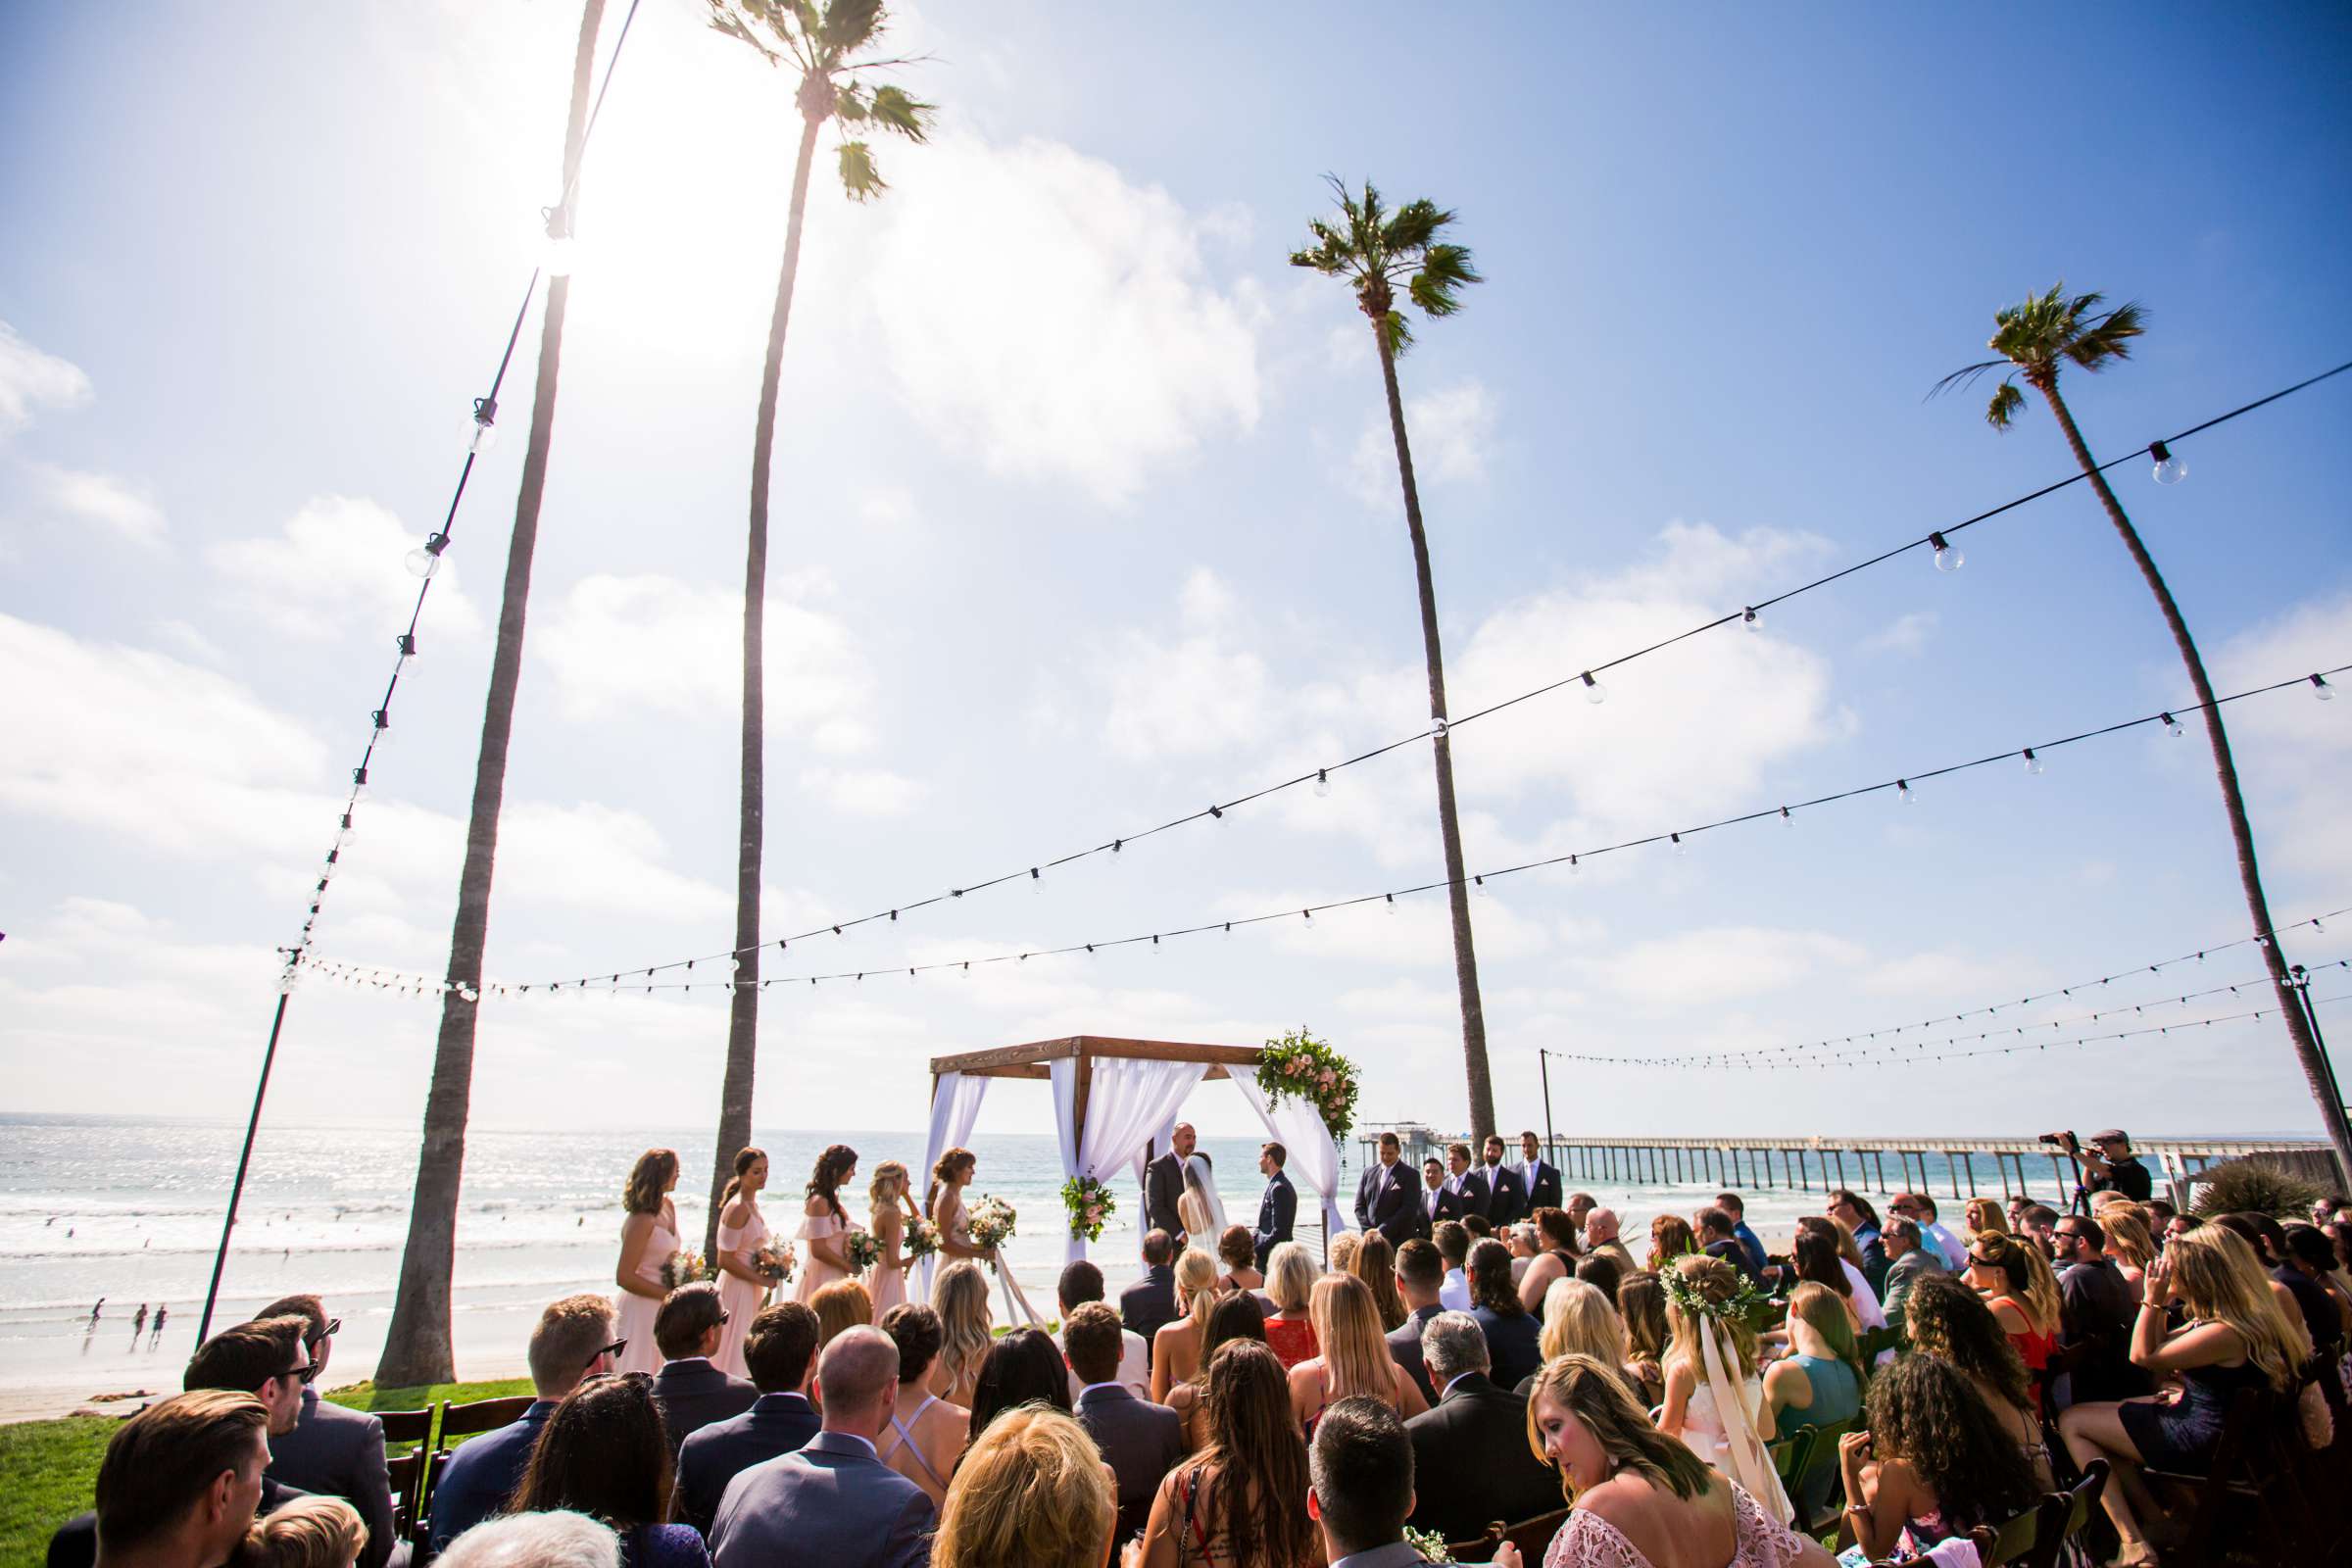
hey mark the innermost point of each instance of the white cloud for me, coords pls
(1452, 435)
(1709, 966)
(1190, 697)
(30, 379)
(864, 792)
(1907, 633)
(2292, 752)
(96, 498)
(338, 568)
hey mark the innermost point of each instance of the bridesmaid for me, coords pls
(949, 1178)
(742, 1232)
(648, 1235)
(886, 1281)
(824, 1224)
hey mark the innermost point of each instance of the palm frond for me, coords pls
(849, 105)
(846, 25)
(901, 113)
(859, 178)
(2004, 406)
(1399, 335)
(2108, 337)
(1330, 255)
(1414, 229)
(1964, 377)
(1444, 270)
(725, 19)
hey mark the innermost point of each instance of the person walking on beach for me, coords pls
(160, 1312)
(95, 1311)
(138, 1324)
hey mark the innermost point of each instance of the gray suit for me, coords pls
(1906, 1272)
(1141, 1441)
(831, 1501)
(339, 1452)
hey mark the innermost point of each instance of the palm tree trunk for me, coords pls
(742, 1012)
(417, 1349)
(1465, 954)
(2241, 832)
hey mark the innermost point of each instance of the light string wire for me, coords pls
(1321, 777)
(640, 977)
(485, 418)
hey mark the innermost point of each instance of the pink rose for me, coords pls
(1325, 1080)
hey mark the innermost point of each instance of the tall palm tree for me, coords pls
(417, 1349)
(819, 44)
(1375, 251)
(2033, 341)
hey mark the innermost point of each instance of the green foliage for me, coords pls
(2036, 337)
(2248, 1186)
(819, 44)
(1379, 251)
(858, 176)
(1088, 1203)
(1429, 1544)
(1299, 1066)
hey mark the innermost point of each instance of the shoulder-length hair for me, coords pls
(1926, 1413)
(1352, 1341)
(602, 1452)
(652, 1172)
(1597, 1395)
(1030, 1490)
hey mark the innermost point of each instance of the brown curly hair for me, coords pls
(1947, 1320)
(1926, 1413)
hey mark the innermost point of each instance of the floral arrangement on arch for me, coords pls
(1090, 1203)
(1299, 1066)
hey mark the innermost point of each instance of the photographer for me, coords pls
(2108, 1164)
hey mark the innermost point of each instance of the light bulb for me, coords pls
(1752, 621)
(1594, 691)
(2170, 470)
(1437, 726)
(1679, 847)
(2033, 763)
(1786, 821)
(1118, 852)
(1478, 885)
(1392, 901)
(1322, 784)
(2172, 725)
(1037, 883)
(483, 432)
(1228, 937)
(1308, 915)
(382, 719)
(1904, 791)
(1948, 555)
(2321, 690)
(1574, 867)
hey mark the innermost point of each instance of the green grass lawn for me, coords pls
(49, 1468)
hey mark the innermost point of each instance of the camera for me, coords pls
(2060, 1139)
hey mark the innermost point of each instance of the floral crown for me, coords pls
(1745, 1306)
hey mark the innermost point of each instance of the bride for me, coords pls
(1714, 1388)
(648, 1235)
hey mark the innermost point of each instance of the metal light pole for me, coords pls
(1544, 1064)
(2300, 979)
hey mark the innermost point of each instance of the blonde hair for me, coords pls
(1029, 1493)
(1342, 1252)
(306, 1533)
(888, 1172)
(1595, 1393)
(2128, 1235)
(2222, 1280)
(1984, 1214)
(2043, 1304)
(1196, 1285)
(1718, 1282)
(1289, 1277)
(1349, 1336)
(1578, 1318)
(842, 1304)
(1823, 1310)
(959, 1295)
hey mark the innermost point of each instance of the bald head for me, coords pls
(857, 1380)
(1183, 1139)
(1601, 1226)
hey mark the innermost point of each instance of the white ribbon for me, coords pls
(1747, 1461)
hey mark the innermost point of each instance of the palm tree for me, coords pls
(816, 43)
(417, 1350)
(1375, 251)
(2033, 341)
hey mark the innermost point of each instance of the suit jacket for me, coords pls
(829, 1501)
(1277, 1212)
(1141, 1441)
(481, 1475)
(1514, 1349)
(1383, 1202)
(338, 1452)
(1150, 1302)
(1904, 1272)
(692, 1394)
(1545, 1191)
(75, 1544)
(1163, 1185)
(1509, 1206)
(1471, 1463)
(776, 1422)
(1404, 1348)
(1433, 1206)
(1476, 1196)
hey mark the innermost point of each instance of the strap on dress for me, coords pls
(906, 1439)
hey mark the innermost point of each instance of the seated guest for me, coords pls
(1670, 1238)
(1982, 1216)
(1237, 1255)
(1452, 1239)
(842, 1304)
(1081, 1282)
(1176, 1344)
(333, 1451)
(2236, 1337)
(2039, 1226)
(1030, 1495)
(1642, 1497)
(2310, 1255)
(689, 1391)
(1150, 1301)
(2131, 1245)
(1141, 1441)
(1907, 1260)
(1816, 1260)
(1933, 1464)
(1023, 1367)
(1471, 1462)
(307, 1532)
(1641, 1304)
(780, 1353)
(1555, 1259)
(1376, 1265)
(1858, 1219)
(1734, 1204)
(1419, 1273)
(2303, 1297)
(1946, 1319)
(1920, 1208)
(1717, 1233)
(1479, 1226)
(603, 1452)
(1354, 1354)
(1233, 1317)
(959, 1295)
(1511, 1330)
(1580, 1208)
(558, 1539)
(573, 1342)
(1290, 1282)
(1235, 1504)
(1600, 1271)
(1859, 1293)
(179, 1482)
(1526, 1244)
(1340, 1257)
(926, 1433)
(1602, 1240)
(1578, 1320)
(2097, 1305)
(832, 1501)
(2001, 1269)
(1820, 1380)
(1361, 1486)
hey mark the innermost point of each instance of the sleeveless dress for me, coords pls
(887, 1285)
(1703, 1431)
(2182, 1435)
(816, 1272)
(636, 1313)
(740, 1297)
(1836, 1395)
(1588, 1541)
(901, 1433)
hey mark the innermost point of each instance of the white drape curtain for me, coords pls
(955, 1107)
(1315, 1155)
(1127, 1101)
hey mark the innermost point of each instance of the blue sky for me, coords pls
(1084, 520)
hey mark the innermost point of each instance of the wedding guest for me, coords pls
(2096, 1306)
(1981, 1216)
(1141, 1441)
(1950, 1322)
(1933, 1464)
(1354, 1355)
(178, 1485)
(1419, 1273)
(2130, 1242)
(1815, 1257)
(1859, 1293)
(889, 1205)
(1080, 1283)
(1920, 1208)
(2001, 1269)
(926, 1433)
(1600, 1271)
(1150, 1301)
(332, 1450)
(689, 1391)
(1540, 1176)
(1384, 1197)
(1717, 1413)
(832, 1501)
(1030, 1495)
(648, 1237)
(1479, 1226)
(959, 1295)
(1277, 1208)
(1340, 1257)
(1556, 1259)
(824, 1223)
(1860, 1220)
(558, 1539)
(1236, 1502)
(1512, 1331)
(1452, 1240)
(1670, 1238)
(1471, 1462)
(2039, 1225)
(1578, 1320)
(2303, 1297)
(307, 1532)
(1602, 1240)
(1236, 1254)
(1735, 1207)
(1908, 1261)
(780, 1352)
(1526, 1244)
(742, 1233)
(571, 1342)
(1718, 1237)
(1290, 1286)
(1233, 1317)
(1642, 1498)
(1023, 1367)
(2308, 1256)
(842, 1304)
(1375, 1265)
(1820, 1381)
(945, 1204)
(1506, 1194)
(1176, 1344)
(603, 1454)
(1641, 1304)
(1361, 1486)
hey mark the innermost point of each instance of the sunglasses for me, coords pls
(334, 1326)
(614, 1351)
(301, 1374)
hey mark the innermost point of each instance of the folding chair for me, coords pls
(1818, 1462)
(405, 1435)
(459, 1421)
(2252, 1464)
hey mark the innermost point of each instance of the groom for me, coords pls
(1278, 1210)
(1163, 1184)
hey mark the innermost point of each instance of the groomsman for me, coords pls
(1538, 1175)
(1439, 1201)
(1384, 1197)
(1464, 1183)
(1278, 1210)
(1509, 1206)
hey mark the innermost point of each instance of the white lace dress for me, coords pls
(1588, 1541)
(1703, 1424)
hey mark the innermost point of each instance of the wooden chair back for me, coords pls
(482, 1415)
(406, 1426)
(401, 1472)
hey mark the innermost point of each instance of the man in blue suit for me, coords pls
(1278, 1210)
(572, 1343)
(1507, 1203)
(1468, 1186)
(780, 1352)
(1384, 1197)
(1540, 1176)
(833, 1501)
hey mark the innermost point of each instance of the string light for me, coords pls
(2321, 690)
(2033, 763)
(1750, 619)
(1595, 692)
(2172, 725)
(1322, 785)
(1902, 791)
(425, 559)
(2169, 470)
(1948, 555)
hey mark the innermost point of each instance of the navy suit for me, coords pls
(1140, 1441)
(1148, 1303)
(1545, 1191)
(338, 1452)
(1383, 1202)
(1475, 1195)
(776, 1422)
(1438, 1205)
(1508, 1205)
(830, 1502)
(1404, 1348)
(692, 1394)
(481, 1475)
(1277, 1212)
